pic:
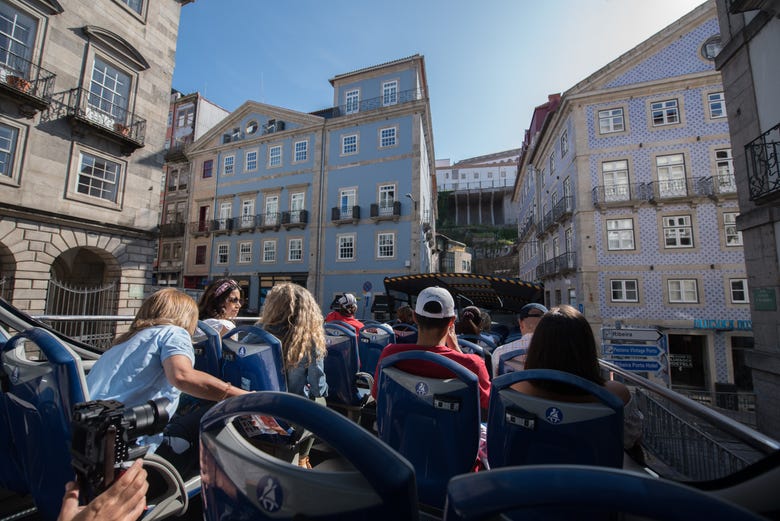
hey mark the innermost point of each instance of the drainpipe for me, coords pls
(320, 227)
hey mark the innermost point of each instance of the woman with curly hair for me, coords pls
(292, 315)
(220, 304)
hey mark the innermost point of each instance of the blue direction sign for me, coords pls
(630, 350)
(634, 335)
(638, 365)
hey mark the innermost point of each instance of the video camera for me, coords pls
(104, 434)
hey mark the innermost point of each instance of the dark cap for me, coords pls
(531, 310)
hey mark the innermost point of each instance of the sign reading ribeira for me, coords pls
(640, 350)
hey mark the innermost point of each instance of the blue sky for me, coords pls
(488, 62)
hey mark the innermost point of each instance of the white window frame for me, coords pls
(223, 254)
(611, 120)
(275, 156)
(352, 101)
(245, 252)
(677, 231)
(732, 235)
(110, 89)
(665, 112)
(620, 235)
(11, 137)
(350, 144)
(347, 201)
(271, 213)
(388, 137)
(250, 161)
(300, 151)
(295, 244)
(564, 142)
(716, 103)
(616, 180)
(385, 245)
(671, 175)
(739, 287)
(106, 176)
(724, 166)
(269, 251)
(683, 291)
(389, 93)
(297, 203)
(386, 199)
(247, 213)
(225, 213)
(346, 247)
(228, 165)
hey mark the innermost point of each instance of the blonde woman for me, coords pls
(155, 357)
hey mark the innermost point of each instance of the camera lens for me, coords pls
(149, 418)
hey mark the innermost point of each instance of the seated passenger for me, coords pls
(405, 315)
(344, 311)
(220, 304)
(435, 317)
(155, 358)
(564, 340)
(475, 323)
(527, 318)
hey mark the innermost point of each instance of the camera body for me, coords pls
(104, 435)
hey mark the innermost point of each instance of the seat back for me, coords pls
(208, 350)
(252, 359)
(433, 422)
(342, 364)
(38, 397)
(405, 333)
(470, 347)
(484, 341)
(372, 339)
(527, 430)
(562, 492)
(507, 362)
(242, 482)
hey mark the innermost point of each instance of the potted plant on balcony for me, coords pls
(18, 82)
(121, 128)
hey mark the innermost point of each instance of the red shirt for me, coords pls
(352, 321)
(473, 363)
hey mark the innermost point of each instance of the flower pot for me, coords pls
(121, 128)
(18, 83)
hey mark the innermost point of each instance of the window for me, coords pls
(251, 161)
(346, 247)
(683, 291)
(724, 163)
(389, 93)
(165, 253)
(17, 37)
(301, 151)
(269, 251)
(176, 253)
(295, 250)
(223, 253)
(671, 175)
(386, 199)
(551, 162)
(712, 47)
(733, 236)
(349, 144)
(739, 291)
(208, 168)
(564, 143)
(251, 127)
(185, 116)
(611, 120)
(296, 206)
(664, 112)
(678, 232)
(615, 175)
(98, 177)
(620, 234)
(717, 104)
(8, 140)
(109, 91)
(225, 209)
(247, 213)
(200, 255)
(244, 252)
(271, 210)
(135, 5)
(352, 101)
(624, 291)
(385, 245)
(347, 198)
(387, 137)
(569, 239)
(275, 156)
(228, 164)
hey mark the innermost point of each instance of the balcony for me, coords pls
(763, 166)
(24, 82)
(295, 219)
(546, 223)
(526, 226)
(371, 104)
(269, 221)
(563, 208)
(172, 229)
(717, 186)
(245, 223)
(200, 228)
(177, 153)
(88, 112)
(480, 186)
(559, 265)
(618, 194)
(344, 215)
(674, 189)
(221, 225)
(385, 212)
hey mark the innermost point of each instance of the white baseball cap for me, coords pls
(435, 302)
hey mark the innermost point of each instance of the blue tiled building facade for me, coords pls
(334, 200)
(633, 182)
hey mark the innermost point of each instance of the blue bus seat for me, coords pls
(242, 482)
(499, 332)
(432, 422)
(506, 362)
(470, 347)
(208, 350)
(372, 339)
(512, 336)
(38, 399)
(528, 430)
(576, 491)
(347, 384)
(253, 360)
(484, 341)
(405, 333)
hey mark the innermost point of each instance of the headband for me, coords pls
(225, 286)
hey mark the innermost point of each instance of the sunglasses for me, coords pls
(236, 300)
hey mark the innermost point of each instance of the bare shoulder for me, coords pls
(618, 389)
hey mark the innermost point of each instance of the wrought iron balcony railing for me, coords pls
(346, 213)
(563, 207)
(763, 166)
(379, 212)
(295, 218)
(526, 226)
(21, 76)
(172, 230)
(367, 105)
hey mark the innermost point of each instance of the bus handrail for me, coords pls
(755, 439)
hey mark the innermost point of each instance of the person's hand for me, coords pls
(124, 500)
(451, 340)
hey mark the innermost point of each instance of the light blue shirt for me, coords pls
(132, 372)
